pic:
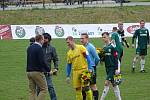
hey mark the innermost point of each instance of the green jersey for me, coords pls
(111, 59)
(142, 35)
(117, 38)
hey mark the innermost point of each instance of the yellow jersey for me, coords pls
(77, 57)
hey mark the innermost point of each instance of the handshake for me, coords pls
(52, 72)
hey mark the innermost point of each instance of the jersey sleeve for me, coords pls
(148, 37)
(94, 54)
(134, 36)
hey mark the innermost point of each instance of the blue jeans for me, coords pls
(51, 89)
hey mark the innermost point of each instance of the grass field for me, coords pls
(14, 83)
(13, 80)
(76, 16)
(139, 0)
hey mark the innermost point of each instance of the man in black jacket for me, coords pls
(36, 65)
(50, 55)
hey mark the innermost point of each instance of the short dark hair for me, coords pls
(32, 39)
(142, 21)
(48, 36)
(114, 28)
(105, 33)
(87, 36)
(70, 38)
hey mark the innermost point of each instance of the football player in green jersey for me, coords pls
(117, 39)
(142, 36)
(111, 65)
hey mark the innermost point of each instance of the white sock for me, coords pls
(105, 91)
(117, 92)
(134, 61)
(119, 65)
(142, 62)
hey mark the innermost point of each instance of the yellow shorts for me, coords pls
(75, 78)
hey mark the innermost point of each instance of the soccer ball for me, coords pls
(117, 79)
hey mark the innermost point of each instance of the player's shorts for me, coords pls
(137, 50)
(75, 78)
(93, 80)
(143, 52)
(110, 71)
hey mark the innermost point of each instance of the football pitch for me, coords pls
(14, 83)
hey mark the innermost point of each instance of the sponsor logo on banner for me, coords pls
(39, 30)
(91, 33)
(86, 31)
(20, 32)
(59, 31)
(100, 30)
(5, 32)
(131, 29)
(74, 31)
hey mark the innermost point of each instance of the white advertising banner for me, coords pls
(64, 30)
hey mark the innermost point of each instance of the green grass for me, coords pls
(14, 83)
(76, 16)
(139, 0)
(13, 80)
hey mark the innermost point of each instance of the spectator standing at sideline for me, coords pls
(50, 55)
(32, 40)
(36, 65)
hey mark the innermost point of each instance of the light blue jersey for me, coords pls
(93, 54)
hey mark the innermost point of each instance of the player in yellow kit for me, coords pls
(78, 60)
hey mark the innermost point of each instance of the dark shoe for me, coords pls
(133, 70)
(142, 71)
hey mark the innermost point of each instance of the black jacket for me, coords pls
(50, 55)
(35, 59)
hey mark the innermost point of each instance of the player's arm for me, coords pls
(55, 59)
(86, 55)
(68, 69)
(69, 65)
(113, 37)
(124, 40)
(95, 55)
(148, 37)
(134, 36)
(115, 54)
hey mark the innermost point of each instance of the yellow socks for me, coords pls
(78, 95)
(89, 95)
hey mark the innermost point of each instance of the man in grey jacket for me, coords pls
(50, 55)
